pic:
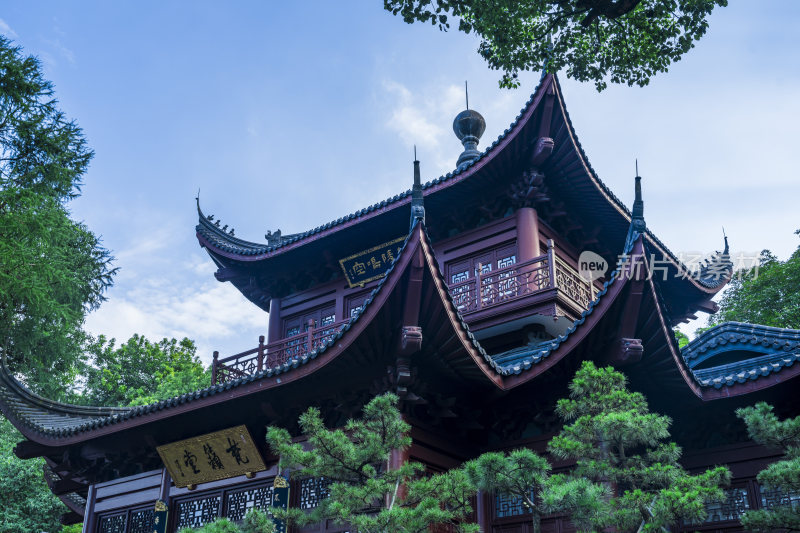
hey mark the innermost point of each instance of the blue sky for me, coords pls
(290, 114)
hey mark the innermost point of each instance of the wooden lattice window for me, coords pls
(136, 520)
(508, 505)
(197, 511)
(112, 523)
(312, 491)
(238, 502)
(296, 324)
(355, 304)
(734, 505)
(777, 498)
(461, 271)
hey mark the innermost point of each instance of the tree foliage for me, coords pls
(624, 41)
(526, 475)
(26, 502)
(616, 440)
(765, 295)
(364, 492)
(766, 428)
(139, 371)
(52, 269)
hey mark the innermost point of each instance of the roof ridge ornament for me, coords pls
(417, 199)
(468, 126)
(637, 218)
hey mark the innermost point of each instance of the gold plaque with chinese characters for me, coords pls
(219, 455)
(372, 264)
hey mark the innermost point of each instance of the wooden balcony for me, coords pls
(542, 282)
(540, 285)
(273, 354)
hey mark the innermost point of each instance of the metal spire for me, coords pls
(637, 218)
(417, 200)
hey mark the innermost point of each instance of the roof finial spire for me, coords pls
(468, 127)
(637, 218)
(417, 200)
(726, 241)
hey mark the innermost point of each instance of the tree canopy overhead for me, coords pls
(622, 41)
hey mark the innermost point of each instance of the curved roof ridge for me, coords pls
(7, 379)
(18, 400)
(728, 380)
(700, 282)
(229, 243)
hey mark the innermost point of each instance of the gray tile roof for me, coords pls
(54, 419)
(760, 350)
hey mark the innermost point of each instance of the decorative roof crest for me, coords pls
(637, 219)
(468, 126)
(417, 200)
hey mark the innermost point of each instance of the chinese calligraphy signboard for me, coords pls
(160, 517)
(210, 457)
(371, 264)
(280, 499)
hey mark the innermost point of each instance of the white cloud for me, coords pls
(6, 30)
(214, 315)
(417, 118)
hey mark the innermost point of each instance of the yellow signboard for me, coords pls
(219, 455)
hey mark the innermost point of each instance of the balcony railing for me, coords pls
(273, 354)
(486, 290)
(489, 289)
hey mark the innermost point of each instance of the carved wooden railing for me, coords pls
(273, 354)
(489, 289)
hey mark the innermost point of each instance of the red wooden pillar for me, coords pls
(274, 332)
(396, 459)
(527, 234)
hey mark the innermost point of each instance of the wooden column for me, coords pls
(527, 234)
(89, 519)
(166, 481)
(274, 332)
(483, 511)
(397, 459)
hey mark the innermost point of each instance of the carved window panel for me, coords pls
(238, 502)
(299, 323)
(508, 505)
(197, 512)
(731, 508)
(141, 521)
(312, 491)
(355, 304)
(462, 277)
(778, 498)
(112, 524)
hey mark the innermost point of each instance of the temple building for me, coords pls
(474, 297)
